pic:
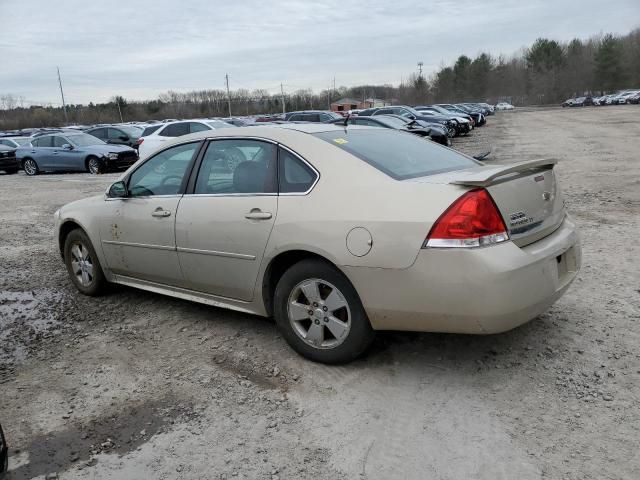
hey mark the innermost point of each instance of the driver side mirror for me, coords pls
(67, 146)
(118, 190)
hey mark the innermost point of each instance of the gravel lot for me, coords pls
(137, 385)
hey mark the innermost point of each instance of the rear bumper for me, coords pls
(486, 290)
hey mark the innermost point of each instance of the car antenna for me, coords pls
(346, 119)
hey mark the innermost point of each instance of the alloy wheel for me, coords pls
(94, 166)
(319, 313)
(30, 167)
(82, 264)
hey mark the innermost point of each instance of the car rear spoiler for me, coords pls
(485, 176)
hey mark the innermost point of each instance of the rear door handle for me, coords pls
(160, 212)
(257, 214)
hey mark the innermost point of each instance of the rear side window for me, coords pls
(175, 130)
(197, 127)
(101, 133)
(150, 130)
(294, 176)
(43, 142)
(295, 117)
(398, 154)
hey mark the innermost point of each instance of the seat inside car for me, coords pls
(249, 177)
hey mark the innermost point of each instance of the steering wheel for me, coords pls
(166, 180)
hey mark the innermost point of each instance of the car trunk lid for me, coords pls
(526, 193)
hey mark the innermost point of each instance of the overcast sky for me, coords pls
(140, 48)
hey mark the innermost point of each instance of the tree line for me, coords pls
(546, 72)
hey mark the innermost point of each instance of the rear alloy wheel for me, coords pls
(82, 264)
(30, 167)
(93, 165)
(319, 313)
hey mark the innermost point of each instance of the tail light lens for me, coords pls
(139, 141)
(473, 220)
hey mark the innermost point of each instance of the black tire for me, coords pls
(94, 166)
(359, 335)
(98, 283)
(30, 167)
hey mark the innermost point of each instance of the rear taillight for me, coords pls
(139, 141)
(473, 220)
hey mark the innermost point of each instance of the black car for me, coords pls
(117, 134)
(315, 116)
(8, 161)
(396, 122)
(4, 455)
(453, 127)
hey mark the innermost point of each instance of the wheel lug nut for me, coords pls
(326, 319)
(310, 312)
(325, 308)
(315, 304)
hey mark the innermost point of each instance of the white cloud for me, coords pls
(140, 48)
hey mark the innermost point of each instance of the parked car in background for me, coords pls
(8, 161)
(118, 134)
(569, 102)
(504, 106)
(281, 233)
(449, 122)
(75, 151)
(155, 136)
(464, 121)
(626, 97)
(14, 142)
(314, 116)
(396, 122)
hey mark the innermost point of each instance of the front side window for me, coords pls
(84, 140)
(175, 130)
(58, 142)
(237, 166)
(294, 176)
(163, 173)
(115, 134)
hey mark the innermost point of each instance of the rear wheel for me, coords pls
(93, 165)
(30, 167)
(82, 264)
(320, 314)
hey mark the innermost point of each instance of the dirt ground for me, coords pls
(137, 385)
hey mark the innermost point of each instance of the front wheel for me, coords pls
(30, 167)
(83, 264)
(93, 165)
(320, 314)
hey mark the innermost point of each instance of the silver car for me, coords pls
(334, 231)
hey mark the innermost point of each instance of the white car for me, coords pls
(155, 136)
(504, 106)
(14, 142)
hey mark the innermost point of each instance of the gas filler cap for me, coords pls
(359, 241)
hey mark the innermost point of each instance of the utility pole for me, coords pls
(119, 111)
(64, 105)
(226, 77)
(282, 92)
(420, 64)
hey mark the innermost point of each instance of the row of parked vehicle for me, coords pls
(102, 148)
(624, 97)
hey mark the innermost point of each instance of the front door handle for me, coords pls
(160, 212)
(257, 214)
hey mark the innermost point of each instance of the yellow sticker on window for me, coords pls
(340, 141)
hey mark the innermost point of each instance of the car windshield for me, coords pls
(398, 154)
(84, 140)
(132, 131)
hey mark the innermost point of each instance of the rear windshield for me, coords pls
(398, 154)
